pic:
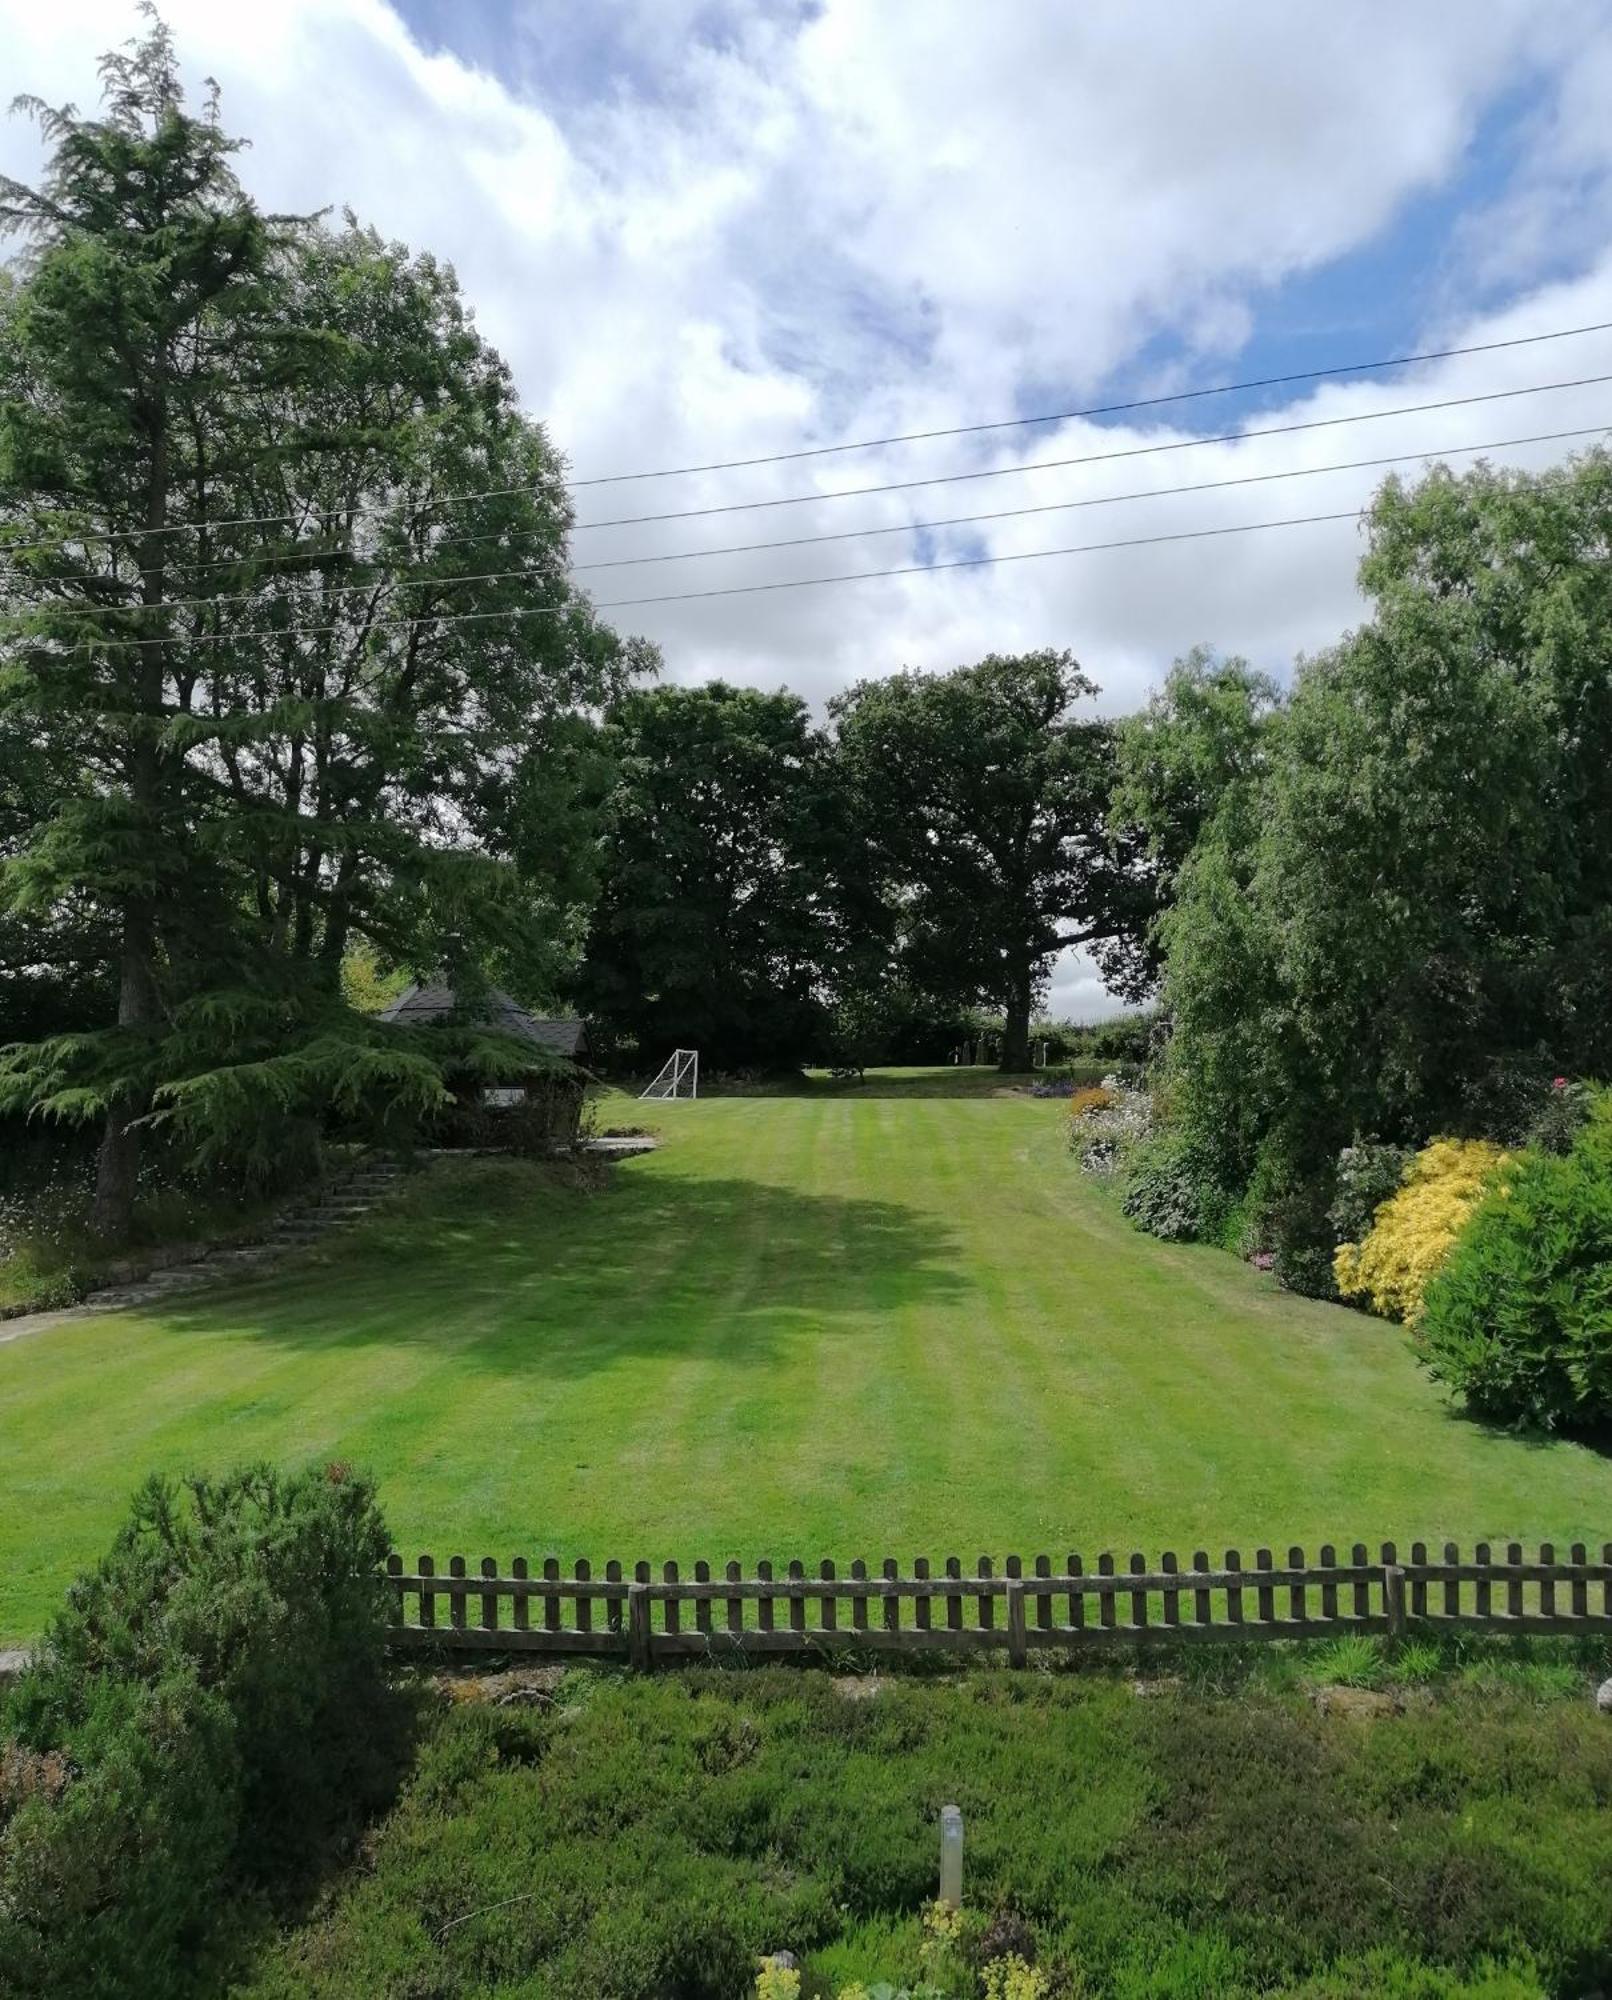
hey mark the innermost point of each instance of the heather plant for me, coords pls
(113, 1851)
(1415, 1229)
(1233, 1837)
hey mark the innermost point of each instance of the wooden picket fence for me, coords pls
(643, 1619)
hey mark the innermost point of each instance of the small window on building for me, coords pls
(502, 1097)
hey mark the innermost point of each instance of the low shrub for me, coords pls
(1087, 1098)
(1172, 1189)
(1519, 1321)
(1282, 1220)
(639, 1838)
(1416, 1228)
(110, 1870)
(1368, 1173)
(1560, 1118)
(216, 1692)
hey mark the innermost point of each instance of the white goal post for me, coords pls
(679, 1076)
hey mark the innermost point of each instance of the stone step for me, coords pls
(344, 1202)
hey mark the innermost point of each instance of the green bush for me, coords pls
(116, 1828)
(213, 1701)
(1283, 1219)
(1172, 1189)
(1561, 1116)
(1368, 1173)
(268, 1588)
(1126, 1038)
(1519, 1320)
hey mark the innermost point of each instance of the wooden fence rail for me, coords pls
(644, 1618)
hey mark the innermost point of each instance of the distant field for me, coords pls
(837, 1323)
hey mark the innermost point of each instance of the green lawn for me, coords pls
(817, 1325)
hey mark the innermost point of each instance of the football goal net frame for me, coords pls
(679, 1076)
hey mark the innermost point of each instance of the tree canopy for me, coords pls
(716, 919)
(287, 622)
(983, 799)
(1406, 908)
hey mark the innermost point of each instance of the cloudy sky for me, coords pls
(705, 231)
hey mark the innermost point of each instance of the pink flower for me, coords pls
(1558, 1083)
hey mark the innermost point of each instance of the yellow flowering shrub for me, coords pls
(1414, 1230)
(943, 1921)
(1090, 1097)
(777, 1982)
(1014, 1978)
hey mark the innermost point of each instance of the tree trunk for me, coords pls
(117, 1167)
(117, 1173)
(1016, 1032)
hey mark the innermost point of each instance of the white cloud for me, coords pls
(863, 219)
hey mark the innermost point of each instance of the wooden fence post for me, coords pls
(1018, 1641)
(639, 1654)
(1394, 1599)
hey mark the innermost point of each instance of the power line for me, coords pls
(126, 535)
(1097, 409)
(1092, 458)
(853, 534)
(1102, 500)
(737, 589)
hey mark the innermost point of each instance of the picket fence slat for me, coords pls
(1014, 1606)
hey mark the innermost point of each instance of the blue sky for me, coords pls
(706, 231)
(1381, 295)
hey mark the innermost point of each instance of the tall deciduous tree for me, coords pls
(1194, 753)
(984, 797)
(715, 927)
(1419, 905)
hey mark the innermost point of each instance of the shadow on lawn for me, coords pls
(517, 1277)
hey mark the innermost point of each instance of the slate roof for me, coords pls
(422, 1005)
